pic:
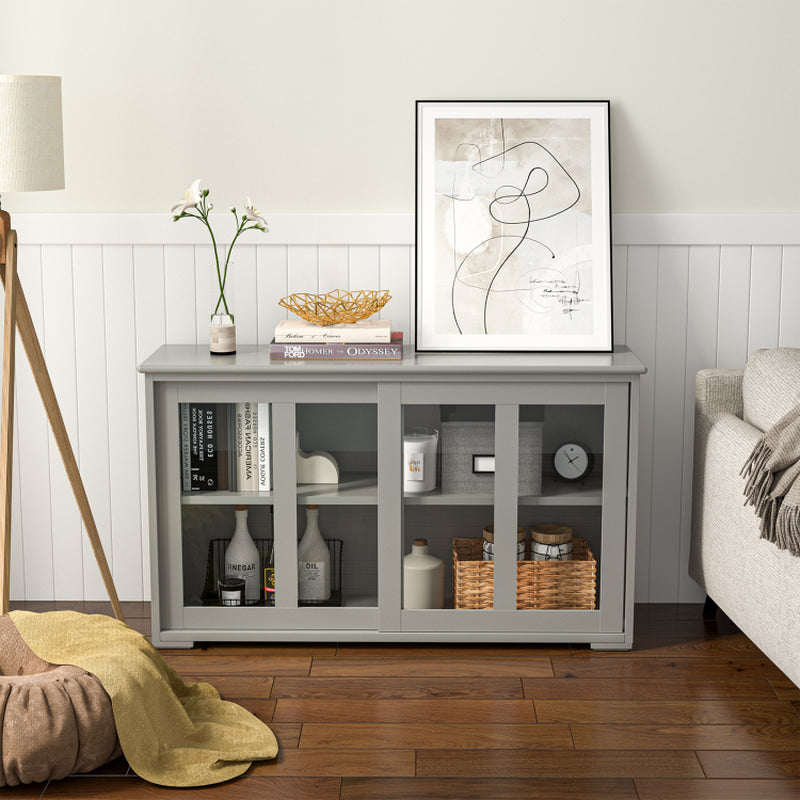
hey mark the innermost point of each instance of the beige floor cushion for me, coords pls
(54, 720)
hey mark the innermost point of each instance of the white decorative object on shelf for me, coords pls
(419, 460)
(423, 578)
(316, 466)
(313, 563)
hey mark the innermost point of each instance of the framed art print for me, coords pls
(513, 216)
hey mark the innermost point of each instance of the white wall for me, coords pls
(308, 105)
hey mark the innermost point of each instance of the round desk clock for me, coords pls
(573, 461)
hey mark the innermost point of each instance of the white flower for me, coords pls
(254, 216)
(194, 194)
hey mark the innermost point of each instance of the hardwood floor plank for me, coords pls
(537, 763)
(404, 688)
(287, 733)
(485, 789)
(259, 666)
(668, 712)
(401, 711)
(248, 787)
(786, 690)
(685, 737)
(338, 762)
(433, 735)
(758, 764)
(234, 687)
(735, 645)
(434, 667)
(717, 790)
(648, 689)
(620, 666)
(263, 709)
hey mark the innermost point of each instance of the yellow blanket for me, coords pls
(172, 733)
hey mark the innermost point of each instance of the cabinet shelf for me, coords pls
(554, 493)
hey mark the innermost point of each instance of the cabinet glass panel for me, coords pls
(226, 479)
(208, 530)
(337, 528)
(448, 497)
(225, 448)
(559, 505)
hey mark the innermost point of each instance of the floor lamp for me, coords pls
(32, 159)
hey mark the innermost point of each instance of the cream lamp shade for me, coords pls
(31, 138)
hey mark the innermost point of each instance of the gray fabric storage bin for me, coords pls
(463, 440)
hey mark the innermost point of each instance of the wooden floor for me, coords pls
(694, 711)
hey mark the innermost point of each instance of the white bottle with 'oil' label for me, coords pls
(241, 557)
(313, 562)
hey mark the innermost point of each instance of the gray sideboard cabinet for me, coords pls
(359, 412)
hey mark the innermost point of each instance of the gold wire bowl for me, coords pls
(337, 306)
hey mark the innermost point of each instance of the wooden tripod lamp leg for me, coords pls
(7, 432)
(30, 341)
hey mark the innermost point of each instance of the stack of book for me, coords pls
(366, 340)
(226, 447)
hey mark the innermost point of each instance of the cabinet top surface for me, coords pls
(254, 361)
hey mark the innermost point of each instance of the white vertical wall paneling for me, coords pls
(124, 469)
(394, 264)
(93, 441)
(303, 274)
(701, 352)
(59, 352)
(179, 294)
(789, 335)
(272, 273)
(669, 381)
(150, 331)
(642, 283)
(765, 298)
(683, 300)
(17, 565)
(365, 267)
(242, 296)
(205, 288)
(149, 294)
(733, 304)
(333, 260)
(619, 287)
(32, 544)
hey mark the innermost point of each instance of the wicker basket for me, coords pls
(540, 584)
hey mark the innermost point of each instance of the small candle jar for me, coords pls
(231, 591)
(419, 457)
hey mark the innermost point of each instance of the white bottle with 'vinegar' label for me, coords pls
(313, 562)
(241, 557)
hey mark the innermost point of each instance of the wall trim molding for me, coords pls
(390, 229)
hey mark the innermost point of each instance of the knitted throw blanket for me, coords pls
(772, 486)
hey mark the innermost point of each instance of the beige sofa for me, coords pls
(756, 584)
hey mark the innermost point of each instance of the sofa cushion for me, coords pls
(771, 385)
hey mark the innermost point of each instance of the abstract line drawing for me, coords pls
(508, 223)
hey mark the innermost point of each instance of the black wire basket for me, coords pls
(216, 557)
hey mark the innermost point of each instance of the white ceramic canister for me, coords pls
(488, 543)
(423, 578)
(551, 552)
(419, 460)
